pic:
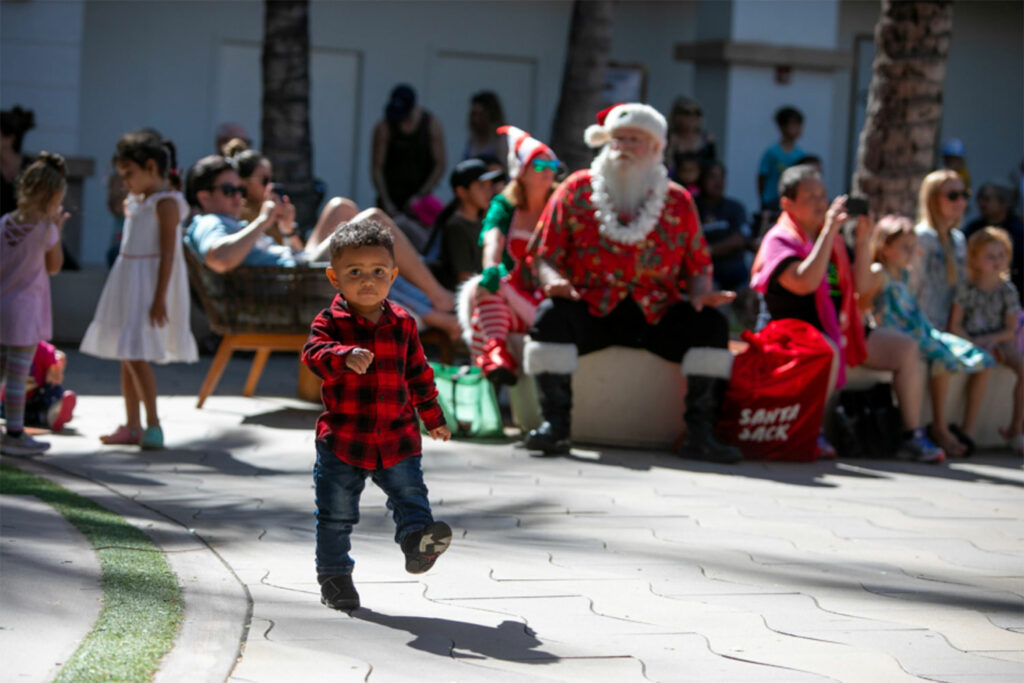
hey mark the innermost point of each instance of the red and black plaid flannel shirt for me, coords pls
(370, 420)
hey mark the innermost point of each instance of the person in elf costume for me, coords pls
(504, 298)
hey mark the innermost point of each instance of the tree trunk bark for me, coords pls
(904, 111)
(285, 117)
(590, 41)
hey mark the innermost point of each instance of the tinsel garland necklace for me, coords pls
(643, 222)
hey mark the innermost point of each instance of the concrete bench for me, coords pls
(621, 397)
(633, 398)
(995, 408)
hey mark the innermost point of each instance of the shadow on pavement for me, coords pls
(286, 418)
(510, 641)
(806, 473)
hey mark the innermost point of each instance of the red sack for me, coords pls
(776, 397)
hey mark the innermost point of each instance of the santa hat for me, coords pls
(626, 115)
(522, 149)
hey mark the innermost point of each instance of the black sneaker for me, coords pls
(423, 547)
(338, 592)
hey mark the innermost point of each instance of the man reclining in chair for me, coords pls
(617, 246)
(224, 242)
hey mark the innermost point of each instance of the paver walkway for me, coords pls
(607, 565)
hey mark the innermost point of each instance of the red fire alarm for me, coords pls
(783, 74)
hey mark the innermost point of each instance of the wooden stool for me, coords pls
(261, 343)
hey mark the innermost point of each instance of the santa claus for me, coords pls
(620, 255)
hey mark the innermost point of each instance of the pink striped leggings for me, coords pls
(15, 363)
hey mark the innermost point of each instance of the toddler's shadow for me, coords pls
(510, 641)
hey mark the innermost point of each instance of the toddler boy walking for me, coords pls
(375, 379)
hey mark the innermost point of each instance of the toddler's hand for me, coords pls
(440, 433)
(358, 360)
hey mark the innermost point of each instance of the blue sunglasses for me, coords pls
(541, 165)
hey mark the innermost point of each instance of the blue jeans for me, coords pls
(338, 487)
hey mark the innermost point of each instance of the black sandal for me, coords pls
(967, 441)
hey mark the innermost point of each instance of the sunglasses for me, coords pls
(229, 190)
(265, 180)
(955, 195)
(541, 165)
(691, 112)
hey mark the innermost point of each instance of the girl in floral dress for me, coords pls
(893, 247)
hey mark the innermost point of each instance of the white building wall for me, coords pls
(754, 98)
(804, 23)
(40, 43)
(754, 95)
(647, 33)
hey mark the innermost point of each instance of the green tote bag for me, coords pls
(468, 401)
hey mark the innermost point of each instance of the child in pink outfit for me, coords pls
(47, 403)
(30, 251)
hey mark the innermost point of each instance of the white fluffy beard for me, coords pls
(628, 181)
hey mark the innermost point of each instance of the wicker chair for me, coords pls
(264, 309)
(261, 309)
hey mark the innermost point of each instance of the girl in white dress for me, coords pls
(143, 314)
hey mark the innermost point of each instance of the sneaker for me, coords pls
(826, 451)
(152, 439)
(338, 592)
(920, 448)
(23, 444)
(59, 413)
(423, 547)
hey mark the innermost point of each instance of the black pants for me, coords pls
(564, 321)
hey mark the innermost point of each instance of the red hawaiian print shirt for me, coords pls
(652, 272)
(370, 421)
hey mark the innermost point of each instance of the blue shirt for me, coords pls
(774, 161)
(207, 229)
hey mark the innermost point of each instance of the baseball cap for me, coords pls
(954, 147)
(469, 171)
(400, 103)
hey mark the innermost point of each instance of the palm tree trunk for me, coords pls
(285, 118)
(904, 111)
(590, 42)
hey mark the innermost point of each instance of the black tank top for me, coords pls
(408, 161)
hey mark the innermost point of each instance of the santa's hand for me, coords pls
(358, 360)
(562, 289)
(713, 299)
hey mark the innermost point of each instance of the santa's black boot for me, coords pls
(552, 437)
(703, 398)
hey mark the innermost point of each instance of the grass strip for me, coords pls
(142, 603)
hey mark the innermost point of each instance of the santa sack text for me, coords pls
(776, 397)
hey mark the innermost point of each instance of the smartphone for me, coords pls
(857, 206)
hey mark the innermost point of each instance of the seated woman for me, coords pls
(504, 298)
(804, 272)
(224, 241)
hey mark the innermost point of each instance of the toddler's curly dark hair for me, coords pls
(361, 233)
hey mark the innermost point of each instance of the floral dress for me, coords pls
(898, 309)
